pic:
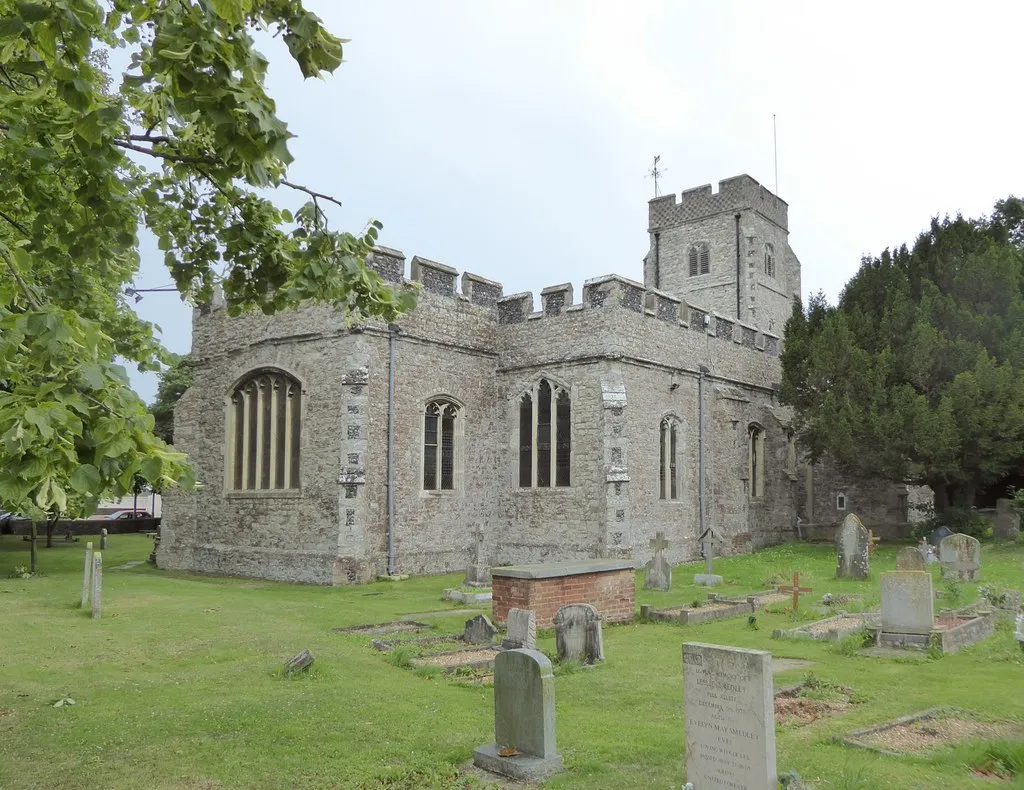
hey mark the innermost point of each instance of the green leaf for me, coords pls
(86, 480)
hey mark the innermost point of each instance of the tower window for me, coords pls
(700, 259)
(544, 437)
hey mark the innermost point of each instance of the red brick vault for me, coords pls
(607, 585)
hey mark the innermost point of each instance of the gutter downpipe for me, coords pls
(393, 330)
(700, 447)
(738, 268)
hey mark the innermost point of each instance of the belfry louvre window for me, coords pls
(669, 453)
(439, 445)
(265, 432)
(544, 440)
(700, 259)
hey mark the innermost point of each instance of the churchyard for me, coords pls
(179, 681)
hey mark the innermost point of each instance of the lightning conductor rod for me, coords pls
(775, 147)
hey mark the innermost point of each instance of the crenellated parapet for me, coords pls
(734, 194)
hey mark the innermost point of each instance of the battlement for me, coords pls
(611, 291)
(734, 194)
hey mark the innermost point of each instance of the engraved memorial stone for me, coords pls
(910, 558)
(657, 572)
(522, 630)
(730, 724)
(97, 584)
(960, 558)
(578, 633)
(852, 541)
(908, 603)
(524, 718)
(103, 539)
(87, 576)
(300, 662)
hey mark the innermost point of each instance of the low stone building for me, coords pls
(332, 453)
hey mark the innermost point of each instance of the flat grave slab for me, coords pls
(833, 628)
(930, 730)
(375, 629)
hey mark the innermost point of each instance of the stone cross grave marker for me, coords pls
(103, 539)
(657, 572)
(796, 589)
(522, 630)
(910, 558)
(87, 576)
(707, 546)
(478, 573)
(852, 541)
(97, 584)
(730, 723)
(1007, 525)
(578, 633)
(908, 603)
(960, 558)
(479, 630)
(524, 718)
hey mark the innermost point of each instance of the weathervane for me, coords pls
(655, 173)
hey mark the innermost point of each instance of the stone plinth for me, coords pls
(607, 585)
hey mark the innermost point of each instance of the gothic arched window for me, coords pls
(700, 259)
(544, 436)
(669, 488)
(769, 260)
(265, 432)
(439, 445)
(755, 460)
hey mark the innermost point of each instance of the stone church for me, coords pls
(332, 453)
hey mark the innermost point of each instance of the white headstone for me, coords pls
(87, 576)
(524, 718)
(960, 557)
(522, 630)
(908, 603)
(730, 717)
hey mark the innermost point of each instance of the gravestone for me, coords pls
(910, 558)
(908, 603)
(1007, 524)
(524, 718)
(97, 584)
(103, 539)
(730, 723)
(522, 630)
(852, 541)
(708, 539)
(479, 630)
(578, 633)
(657, 572)
(478, 573)
(960, 558)
(87, 576)
(939, 534)
(300, 662)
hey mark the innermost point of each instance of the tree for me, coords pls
(174, 380)
(183, 141)
(918, 373)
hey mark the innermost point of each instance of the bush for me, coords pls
(964, 520)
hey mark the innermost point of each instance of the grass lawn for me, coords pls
(179, 685)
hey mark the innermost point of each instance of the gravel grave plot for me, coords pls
(376, 629)
(708, 607)
(446, 642)
(800, 710)
(457, 659)
(929, 734)
(945, 622)
(841, 624)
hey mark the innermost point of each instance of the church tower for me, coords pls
(726, 251)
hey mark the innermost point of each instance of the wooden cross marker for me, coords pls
(872, 540)
(796, 589)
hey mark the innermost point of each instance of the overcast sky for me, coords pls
(512, 139)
